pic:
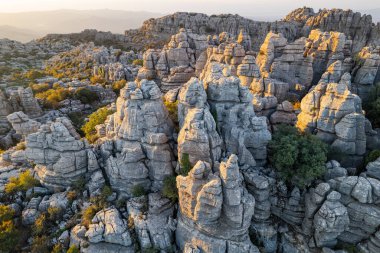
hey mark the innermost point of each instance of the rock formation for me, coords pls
(198, 137)
(215, 209)
(335, 115)
(242, 132)
(154, 225)
(61, 158)
(23, 124)
(137, 148)
(175, 64)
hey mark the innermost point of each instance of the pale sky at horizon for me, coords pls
(242, 7)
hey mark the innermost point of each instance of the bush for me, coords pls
(372, 106)
(34, 74)
(57, 248)
(8, 232)
(79, 186)
(96, 118)
(23, 182)
(139, 62)
(169, 189)
(97, 79)
(185, 165)
(138, 191)
(55, 213)
(118, 85)
(89, 213)
(52, 97)
(41, 244)
(299, 158)
(20, 146)
(77, 118)
(173, 112)
(86, 96)
(372, 156)
(38, 88)
(40, 225)
(73, 249)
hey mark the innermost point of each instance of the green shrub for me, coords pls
(139, 62)
(77, 118)
(8, 232)
(73, 249)
(185, 165)
(372, 156)
(118, 85)
(23, 182)
(299, 158)
(138, 190)
(96, 118)
(172, 108)
(169, 189)
(55, 213)
(57, 248)
(86, 96)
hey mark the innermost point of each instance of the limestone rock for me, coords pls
(23, 124)
(215, 210)
(137, 148)
(61, 158)
(108, 226)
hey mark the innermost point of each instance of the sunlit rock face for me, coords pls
(137, 149)
(61, 157)
(334, 114)
(174, 65)
(215, 209)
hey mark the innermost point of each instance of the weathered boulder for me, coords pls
(60, 156)
(23, 124)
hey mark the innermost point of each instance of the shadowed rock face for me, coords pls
(136, 149)
(215, 209)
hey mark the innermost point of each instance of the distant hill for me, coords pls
(25, 26)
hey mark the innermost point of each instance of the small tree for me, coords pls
(299, 158)
(185, 165)
(86, 96)
(169, 189)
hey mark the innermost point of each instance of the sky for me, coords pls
(243, 7)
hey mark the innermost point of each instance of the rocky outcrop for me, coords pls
(22, 124)
(242, 132)
(60, 156)
(334, 114)
(367, 71)
(215, 209)
(153, 221)
(137, 150)
(28, 103)
(108, 227)
(174, 65)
